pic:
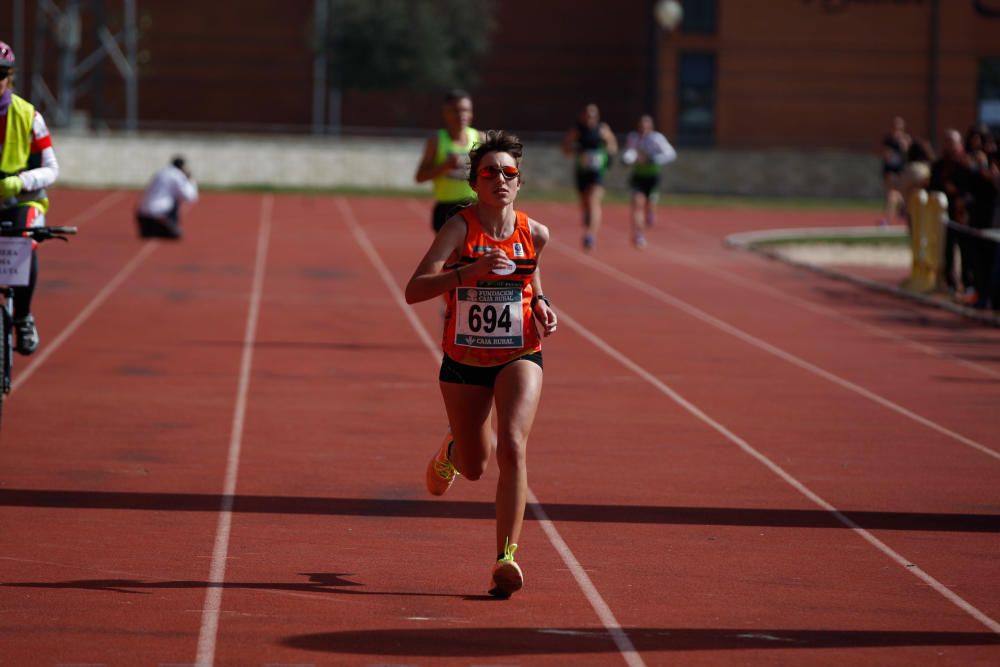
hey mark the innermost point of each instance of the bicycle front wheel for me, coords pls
(6, 348)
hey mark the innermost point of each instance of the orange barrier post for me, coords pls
(928, 215)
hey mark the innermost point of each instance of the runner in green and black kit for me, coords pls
(445, 161)
(592, 144)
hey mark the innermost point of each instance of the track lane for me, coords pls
(603, 293)
(134, 407)
(713, 344)
(381, 556)
(700, 554)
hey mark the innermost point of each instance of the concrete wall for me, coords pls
(229, 161)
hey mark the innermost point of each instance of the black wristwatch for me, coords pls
(540, 297)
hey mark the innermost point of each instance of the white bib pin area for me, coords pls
(508, 268)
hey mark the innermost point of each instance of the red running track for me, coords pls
(217, 456)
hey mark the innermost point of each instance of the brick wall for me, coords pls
(802, 74)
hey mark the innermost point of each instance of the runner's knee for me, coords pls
(511, 452)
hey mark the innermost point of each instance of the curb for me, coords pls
(750, 242)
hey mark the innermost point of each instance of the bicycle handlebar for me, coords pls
(39, 233)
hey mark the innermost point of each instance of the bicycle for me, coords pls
(15, 264)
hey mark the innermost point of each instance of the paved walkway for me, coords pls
(878, 273)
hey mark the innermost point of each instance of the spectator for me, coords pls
(895, 144)
(916, 174)
(951, 175)
(982, 211)
(993, 156)
(158, 215)
(976, 138)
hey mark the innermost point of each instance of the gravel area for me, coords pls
(846, 254)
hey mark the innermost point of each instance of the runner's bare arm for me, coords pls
(543, 312)
(610, 142)
(431, 279)
(426, 170)
(569, 142)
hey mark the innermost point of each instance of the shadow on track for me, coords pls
(319, 582)
(618, 514)
(490, 641)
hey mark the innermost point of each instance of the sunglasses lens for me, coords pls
(492, 172)
(4, 73)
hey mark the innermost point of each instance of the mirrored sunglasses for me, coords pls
(508, 173)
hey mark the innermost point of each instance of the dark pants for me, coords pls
(982, 252)
(995, 278)
(167, 227)
(444, 210)
(19, 217)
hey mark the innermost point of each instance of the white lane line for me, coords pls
(745, 282)
(604, 612)
(611, 624)
(81, 317)
(47, 349)
(699, 314)
(366, 245)
(625, 361)
(100, 206)
(217, 571)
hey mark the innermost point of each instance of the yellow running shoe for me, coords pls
(507, 575)
(440, 472)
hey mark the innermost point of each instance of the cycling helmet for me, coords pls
(6, 55)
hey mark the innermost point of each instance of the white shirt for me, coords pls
(169, 185)
(652, 144)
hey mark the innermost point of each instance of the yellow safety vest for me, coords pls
(17, 145)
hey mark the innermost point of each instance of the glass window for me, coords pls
(696, 96)
(989, 93)
(699, 16)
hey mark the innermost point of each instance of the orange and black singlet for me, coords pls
(489, 320)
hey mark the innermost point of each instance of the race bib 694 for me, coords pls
(489, 317)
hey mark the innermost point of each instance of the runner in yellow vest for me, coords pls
(445, 161)
(27, 166)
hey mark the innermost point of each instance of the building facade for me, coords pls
(828, 73)
(736, 74)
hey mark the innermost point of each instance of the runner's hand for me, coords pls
(546, 317)
(10, 187)
(494, 258)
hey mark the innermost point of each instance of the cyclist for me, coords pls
(445, 161)
(485, 261)
(27, 166)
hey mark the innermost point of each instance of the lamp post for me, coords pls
(933, 63)
(667, 15)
